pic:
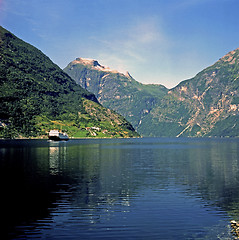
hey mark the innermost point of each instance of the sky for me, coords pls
(157, 41)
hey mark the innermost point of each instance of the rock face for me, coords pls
(235, 228)
(206, 105)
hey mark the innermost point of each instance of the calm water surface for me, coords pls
(149, 188)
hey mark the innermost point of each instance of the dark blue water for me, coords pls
(149, 188)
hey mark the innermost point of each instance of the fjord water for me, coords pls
(147, 188)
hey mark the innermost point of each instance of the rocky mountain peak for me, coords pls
(94, 64)
(87, 61)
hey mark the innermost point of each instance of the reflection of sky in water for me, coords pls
(54, 160)
(57, 156)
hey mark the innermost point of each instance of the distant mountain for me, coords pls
(116, 90)
(36, 96)
(206, 105)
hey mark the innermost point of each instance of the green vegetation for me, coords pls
(206, 105)
(228, 127)
(118, 91)
(36, 96)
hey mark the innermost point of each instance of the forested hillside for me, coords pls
(36, 96)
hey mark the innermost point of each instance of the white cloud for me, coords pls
(145, 31)
(132, 44)
(114, 62)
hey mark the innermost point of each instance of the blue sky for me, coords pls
(157, 41)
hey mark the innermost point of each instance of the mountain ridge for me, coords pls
(214, 91)
(117, 91)
(94, 64)
(205, 105)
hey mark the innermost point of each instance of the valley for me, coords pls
(206, 105)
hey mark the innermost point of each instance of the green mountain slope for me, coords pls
(206, 105)
(211, 99)
(36, 96)
(117, 91)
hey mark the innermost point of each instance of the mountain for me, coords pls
(116, 90)
(206, 105)
(36, 96)
(211, 99)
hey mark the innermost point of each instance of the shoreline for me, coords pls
(71, 138)
(82, 138)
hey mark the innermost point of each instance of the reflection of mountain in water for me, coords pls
(113, 174)
(215, 176)
(207, 169)
(26, 185)
(95, 179)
